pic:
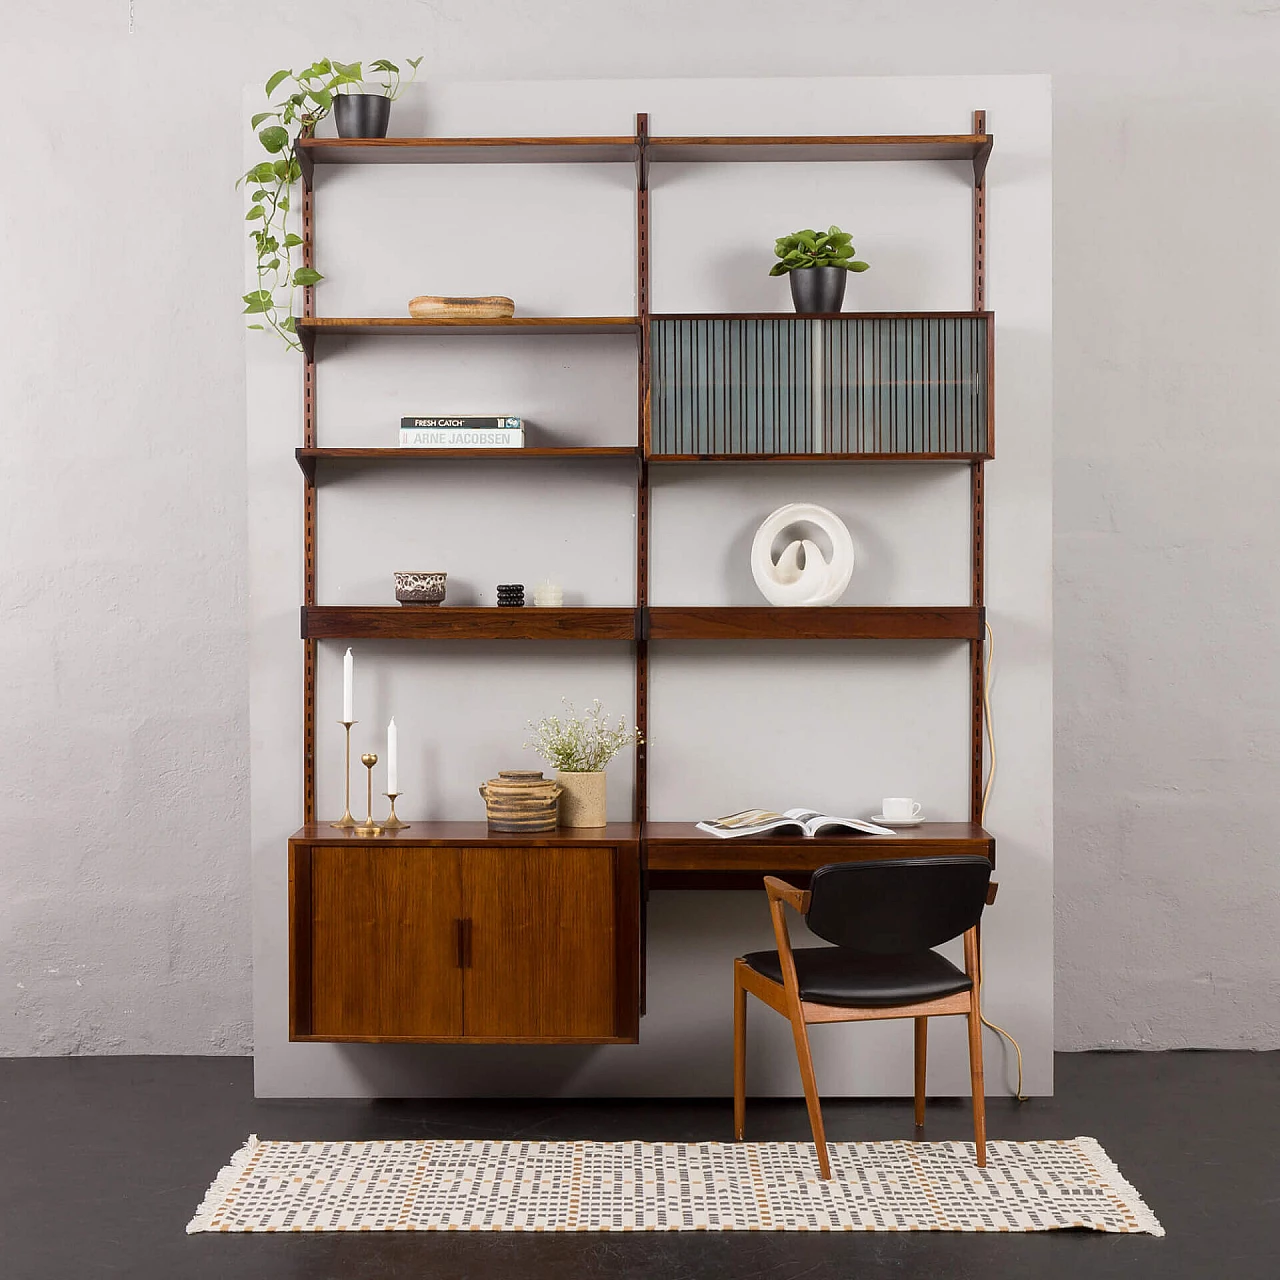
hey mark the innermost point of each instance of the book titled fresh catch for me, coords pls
(462, 432)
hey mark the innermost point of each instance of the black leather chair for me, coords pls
(884, 919)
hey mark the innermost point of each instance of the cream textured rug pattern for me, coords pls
(669, 1186)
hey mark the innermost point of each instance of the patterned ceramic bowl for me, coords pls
(420, 588)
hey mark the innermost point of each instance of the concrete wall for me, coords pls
(124, 922)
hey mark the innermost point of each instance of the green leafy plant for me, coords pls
(805, 249)
(580, 743)
(306, 97)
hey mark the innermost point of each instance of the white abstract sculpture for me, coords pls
(785, 581)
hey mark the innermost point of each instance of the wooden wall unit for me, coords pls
(447, 933)
(443, 933)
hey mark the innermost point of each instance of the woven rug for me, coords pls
(670, 1186)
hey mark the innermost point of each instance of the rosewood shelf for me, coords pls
(308, 458)
(309, 328)
(602, 150)
(457, 622)
(682, 857)
(899, 622)
(802, 149)
(975, 147)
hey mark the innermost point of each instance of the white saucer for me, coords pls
(881, 820)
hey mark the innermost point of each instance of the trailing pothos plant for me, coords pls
(808, 248)
(307, 97)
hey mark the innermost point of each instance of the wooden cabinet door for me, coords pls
(543, 954)
(383, 945)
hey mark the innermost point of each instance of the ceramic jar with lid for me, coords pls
(521, 800)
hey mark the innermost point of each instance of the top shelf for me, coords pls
(806, 150)
(621, 150)
(974, 147)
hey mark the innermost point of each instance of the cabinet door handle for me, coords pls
(463, 928)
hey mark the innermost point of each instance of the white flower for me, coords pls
(582, 744)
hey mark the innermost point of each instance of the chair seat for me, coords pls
(854, 980)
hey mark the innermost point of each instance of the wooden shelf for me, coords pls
(446, 622)
(682, 857)
(471, 835)
(400, 326)
(899, 622)
(974, 147)
(308, 458)
(309, 328)
(806, 149)
(691, 622)
(605, 150)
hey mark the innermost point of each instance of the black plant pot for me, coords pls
(818, 290)
(362, 115)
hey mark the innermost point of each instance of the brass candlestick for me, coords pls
(393, 823)
(346, 821)
(369, 827)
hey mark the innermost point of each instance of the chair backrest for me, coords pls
(896, 906)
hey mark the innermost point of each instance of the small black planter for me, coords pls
(362, 115)
(818, 290)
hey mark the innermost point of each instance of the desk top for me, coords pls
(682, 857)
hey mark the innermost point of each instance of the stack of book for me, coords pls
(462, 432)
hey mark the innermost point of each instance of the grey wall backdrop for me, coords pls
(124, 925)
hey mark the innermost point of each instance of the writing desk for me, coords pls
(679, 856)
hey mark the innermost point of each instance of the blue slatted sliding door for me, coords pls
(856, 384)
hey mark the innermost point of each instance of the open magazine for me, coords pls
(809, 822)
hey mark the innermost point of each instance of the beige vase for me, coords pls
(582, 799)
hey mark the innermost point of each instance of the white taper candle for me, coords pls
(348, 666)
(392, 742)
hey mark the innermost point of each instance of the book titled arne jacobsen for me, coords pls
(462, 432)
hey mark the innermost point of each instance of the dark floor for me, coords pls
(103, 1161)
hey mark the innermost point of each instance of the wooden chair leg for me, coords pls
(922, 1043)
(978, 1085)
(810, 1082)
(739, 1056)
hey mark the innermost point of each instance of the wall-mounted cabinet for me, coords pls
(882, 386)
(449, 933)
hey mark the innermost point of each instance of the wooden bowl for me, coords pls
(428, 307)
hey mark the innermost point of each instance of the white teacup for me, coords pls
(899, 808)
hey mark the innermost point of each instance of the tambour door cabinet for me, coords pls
(444, 933)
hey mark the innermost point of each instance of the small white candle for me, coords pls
(347, 673)
(392, 742)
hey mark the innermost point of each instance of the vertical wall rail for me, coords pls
(977, 648)
(642, 532)
(980, 215)
(309, 511)
(642, 473)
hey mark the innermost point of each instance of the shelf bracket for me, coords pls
(642, 151)
(980, 213)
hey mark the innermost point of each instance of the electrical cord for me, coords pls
(986, 796)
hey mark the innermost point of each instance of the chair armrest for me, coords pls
(781, 891)
(992, 890)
